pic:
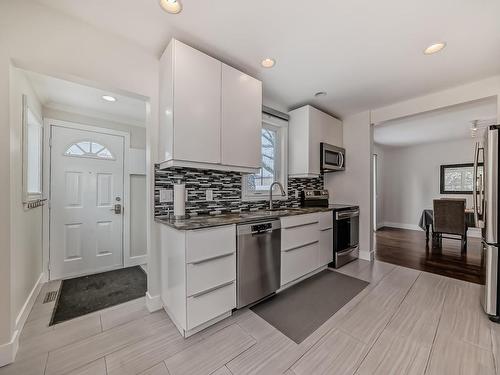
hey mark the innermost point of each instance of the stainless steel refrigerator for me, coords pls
(486, 210)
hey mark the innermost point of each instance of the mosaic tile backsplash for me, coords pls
(226, 187)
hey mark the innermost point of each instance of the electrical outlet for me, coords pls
(166, 195)
(209, 195)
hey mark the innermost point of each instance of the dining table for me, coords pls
(427, 220)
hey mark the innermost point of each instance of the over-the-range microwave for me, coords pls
(332, 158)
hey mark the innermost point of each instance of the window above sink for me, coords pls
(274, 144)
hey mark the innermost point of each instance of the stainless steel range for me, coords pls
(345, 226)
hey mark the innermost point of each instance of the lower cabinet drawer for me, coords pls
(205, 275)
(299, 236)
(203, 307)
(298, 262)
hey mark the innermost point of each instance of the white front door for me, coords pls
(86, 182)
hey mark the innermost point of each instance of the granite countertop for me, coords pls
(207, 221)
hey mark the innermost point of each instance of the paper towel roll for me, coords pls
(179, 199)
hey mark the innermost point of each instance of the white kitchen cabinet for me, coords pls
(306, 244)
(241, 119)
(307, 128)
(209, 113)
(299, 246)
(198, 276)
(325, 238)
(299, 261)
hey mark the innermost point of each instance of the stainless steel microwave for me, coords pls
(332, 158)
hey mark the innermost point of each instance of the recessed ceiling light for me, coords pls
(320, 94)
(268, 63)
(433, 48)
(108, 98)
(171, 6)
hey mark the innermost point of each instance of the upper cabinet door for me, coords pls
(322, 128)
(241, 119)
(197, 105)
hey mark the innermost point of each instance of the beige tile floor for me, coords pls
(404, 322)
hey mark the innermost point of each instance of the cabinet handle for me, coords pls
(300, 246)
(326, 229)
(212, 289)
(301, 225)
(212, 258)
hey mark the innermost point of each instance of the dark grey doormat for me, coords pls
(86, 294)
(301, 309)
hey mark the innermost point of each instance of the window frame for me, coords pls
(281, 126)
(30, 196)
(442, 173)
(90, 154)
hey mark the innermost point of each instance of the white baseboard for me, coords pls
(472, 232)
(136, 261)
(366, 255)
(401, 226)
(153, 303)
(306, 276)
(8, 351)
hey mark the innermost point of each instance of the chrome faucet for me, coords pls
(271, 192)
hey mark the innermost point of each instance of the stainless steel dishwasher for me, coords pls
(258, 258)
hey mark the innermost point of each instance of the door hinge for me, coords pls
(50, 141)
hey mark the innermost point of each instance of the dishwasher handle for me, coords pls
(257, 228)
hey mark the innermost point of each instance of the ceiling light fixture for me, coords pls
(171, 6)
(433, 48)
(268, 63)
(319, 94)
(108, 98)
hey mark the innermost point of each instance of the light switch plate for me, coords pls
(166, 195)
(209, 195)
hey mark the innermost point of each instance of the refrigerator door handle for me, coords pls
(474, 183)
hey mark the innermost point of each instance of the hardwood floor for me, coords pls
(404, 322)
(408, 248)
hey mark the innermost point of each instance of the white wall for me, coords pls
(138, 215)
(37, 38)
(379, 151)
(410, 178)
(137, 134)
(353, 185)
(26, 235)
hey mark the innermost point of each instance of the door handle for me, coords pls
(117, 209)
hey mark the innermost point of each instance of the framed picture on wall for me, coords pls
(458, 178)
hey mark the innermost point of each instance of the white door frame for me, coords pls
(48, 122)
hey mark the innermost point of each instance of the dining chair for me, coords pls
(449, 219)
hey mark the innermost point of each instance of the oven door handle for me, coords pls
(348, 250)
(346, 214)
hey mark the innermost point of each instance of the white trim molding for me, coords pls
(367, 255)
(472, 232)
(153, 303)
(8, 350)
(401, 226)
(127, 260)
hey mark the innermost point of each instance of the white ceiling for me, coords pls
(435, 126)
(365, 54)
(69, 96)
